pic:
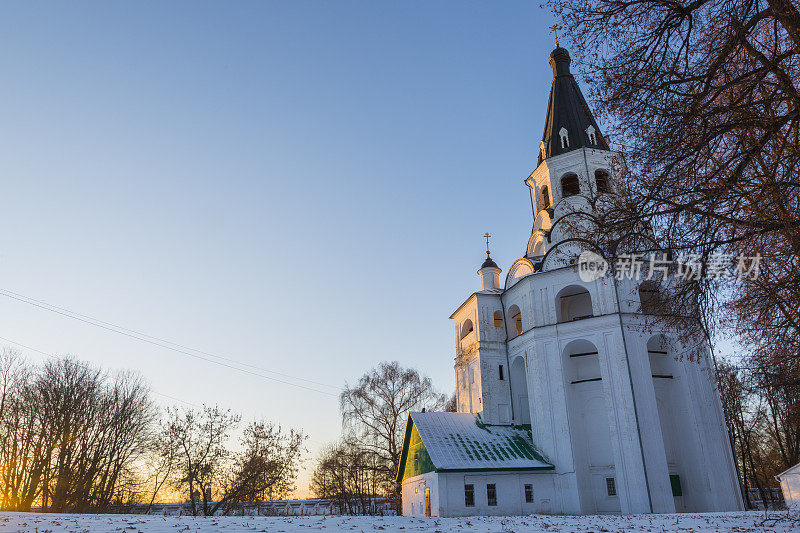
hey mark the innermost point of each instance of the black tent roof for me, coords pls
(567, 109)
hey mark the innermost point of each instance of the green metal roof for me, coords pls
(461, 442)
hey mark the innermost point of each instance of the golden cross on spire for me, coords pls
(486, 236)
(555, 28)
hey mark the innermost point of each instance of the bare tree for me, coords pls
(762, 410)
(349, 474)
(703, 99)
(16, 431)
(96, 427)
(266, 467)
(374, 412)
(74, 438)
(214, 477)
(71, 435)
(10, 367)
(163, 457)
(198, 442)
(452, 404)
(126, 432)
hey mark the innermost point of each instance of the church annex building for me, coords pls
(567, 402)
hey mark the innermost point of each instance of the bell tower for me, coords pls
(628, 423)
(564, 187)
(481, 364)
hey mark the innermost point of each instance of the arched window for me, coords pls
(570, 185)
(601, 180)
(582, 363)
(545, 197)
(649, 297)
(515, 316)
(498, 319)
(590, 131)
(564, 134)
(466, 328)
(573, 303)
(589, 417)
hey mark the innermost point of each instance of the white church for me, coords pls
(567, 401)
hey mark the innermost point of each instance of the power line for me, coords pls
(163, 343)
(53, 356)
(173, 398)
(33, 301)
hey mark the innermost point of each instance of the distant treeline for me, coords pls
(76, 438)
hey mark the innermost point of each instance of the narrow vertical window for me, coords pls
(675, 482)
(611, 486)
(590, 131)
(545, 197)
(528, 493)
(501, 372)
(516, 320)
(491, 494)
(564, 134)
(427, 501)
(469, 495)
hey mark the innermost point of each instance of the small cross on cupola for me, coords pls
(488, 262)
(489, 271)
(555, 28)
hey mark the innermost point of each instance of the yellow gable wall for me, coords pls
(418, 461)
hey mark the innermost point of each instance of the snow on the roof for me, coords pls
(793, 470)
(459, 441)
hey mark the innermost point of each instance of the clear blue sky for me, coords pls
(301, 186)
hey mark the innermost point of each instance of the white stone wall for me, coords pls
(790, 486)
(703, 459)
(413, 492)
(447, 493)
(583, 163)
(479, 356)
(622, 423)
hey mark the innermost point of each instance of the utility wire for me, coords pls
(173, 398)
(163, 343)
(53, 356)
(28, 299)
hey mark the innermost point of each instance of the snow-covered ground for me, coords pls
(681, 523)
